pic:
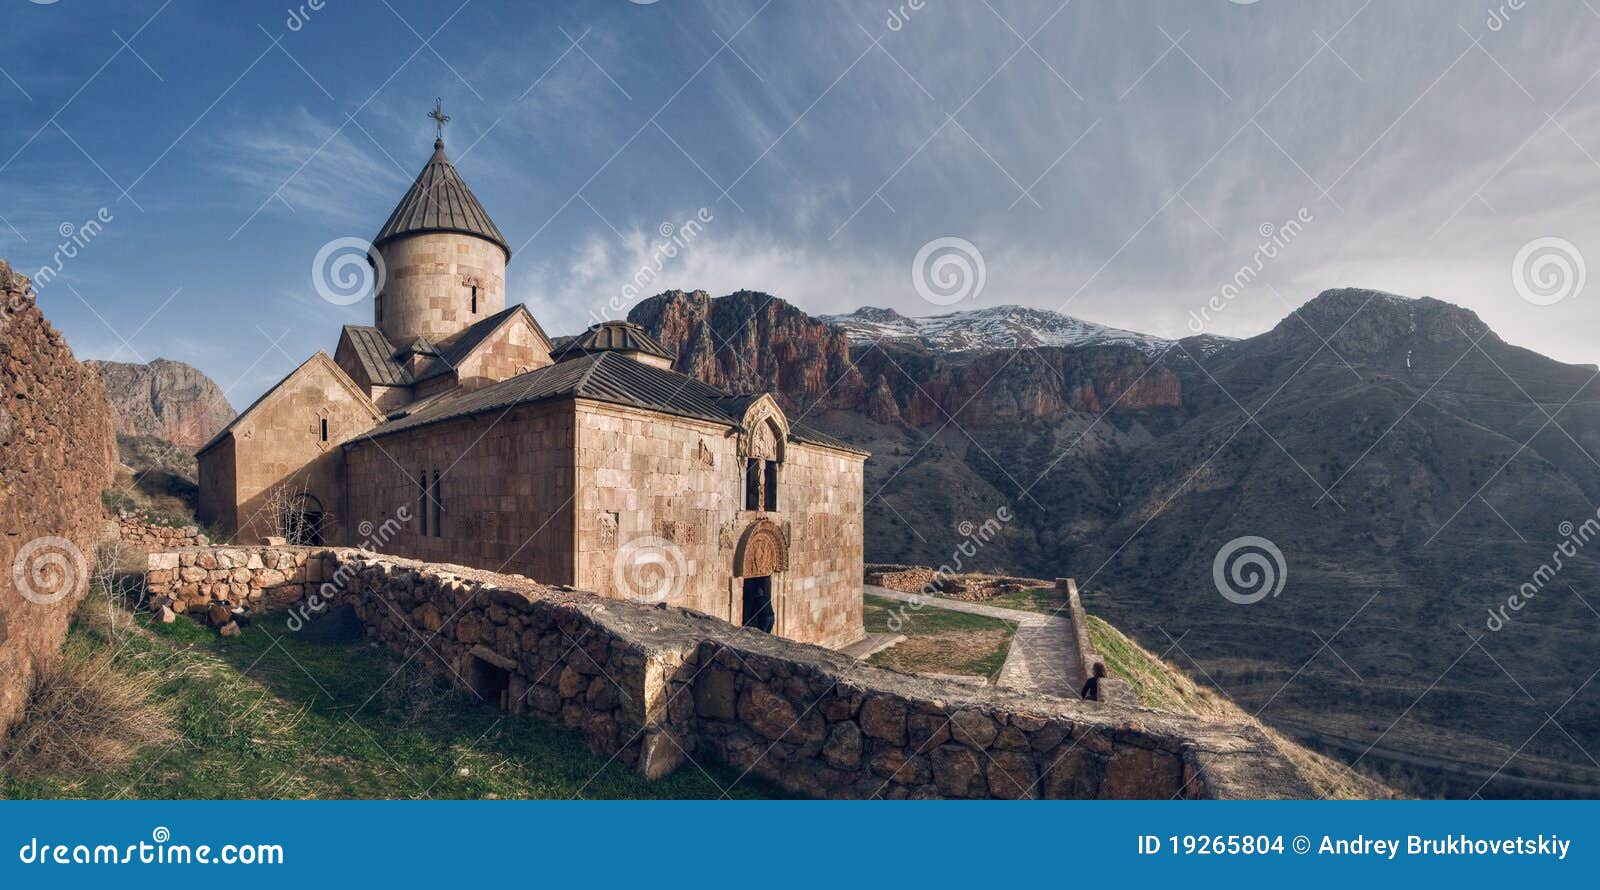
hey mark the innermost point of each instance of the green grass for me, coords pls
(1047, 600)
(267, 715)
(938, 640)
(1154, 684)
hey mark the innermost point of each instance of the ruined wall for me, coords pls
(657, 687)
(57, 454)
(505, 493)
(151, 538)
(262, 577)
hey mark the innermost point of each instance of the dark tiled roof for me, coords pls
(619, 336)
(439, 201)
(805, 435)
(375, 354)
(604, 376)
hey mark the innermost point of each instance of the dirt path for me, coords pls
(1043, 656)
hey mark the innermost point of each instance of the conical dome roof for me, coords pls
(439, 201)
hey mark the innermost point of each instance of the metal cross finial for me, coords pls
(439, 117)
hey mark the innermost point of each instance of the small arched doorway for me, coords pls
(303, 524)
(759, 563)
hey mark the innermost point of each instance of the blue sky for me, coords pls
(1116, 162)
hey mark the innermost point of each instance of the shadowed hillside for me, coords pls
(1412, 468)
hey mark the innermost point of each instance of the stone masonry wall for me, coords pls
(658, 686)
(151, 538)
(57, 454)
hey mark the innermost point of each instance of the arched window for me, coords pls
(762, 447)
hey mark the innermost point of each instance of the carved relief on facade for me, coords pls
(704, 455)
(606, 530)
(763, 431)
(762, 551)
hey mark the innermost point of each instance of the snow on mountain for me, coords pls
(996, 327)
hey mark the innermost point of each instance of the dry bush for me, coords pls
(86, 713)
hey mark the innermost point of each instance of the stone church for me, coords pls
(454, 429)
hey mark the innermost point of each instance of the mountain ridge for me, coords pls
(1407, 462)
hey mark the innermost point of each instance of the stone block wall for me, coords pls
(263, 578)
(426, 281)
(150, 537)
(57, 454)
(657, 687)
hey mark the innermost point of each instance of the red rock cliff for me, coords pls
(753, 342)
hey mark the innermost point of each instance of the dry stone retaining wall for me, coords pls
(657, 687)
(152, 538)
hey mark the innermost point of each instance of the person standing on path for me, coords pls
(1091, 687)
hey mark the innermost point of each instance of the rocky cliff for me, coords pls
(56, 457)
(753, 342)
(165, 399)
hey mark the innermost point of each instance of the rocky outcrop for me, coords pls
(754, 342)
(165, 399)
(56, 457)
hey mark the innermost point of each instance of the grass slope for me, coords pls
(268, 715)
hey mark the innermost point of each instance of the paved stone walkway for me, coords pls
(1044, 653)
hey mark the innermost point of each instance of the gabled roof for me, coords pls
(382, 360)
(618, 336)
(376, 356)
(450, 356)
(604, 377)
(439, 201)
(322, 360)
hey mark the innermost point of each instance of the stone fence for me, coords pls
(657, 687)
(151, 537)
(1113, 689)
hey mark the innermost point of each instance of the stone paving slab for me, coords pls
(1044, 654)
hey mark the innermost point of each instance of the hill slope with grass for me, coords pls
(174, 711)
